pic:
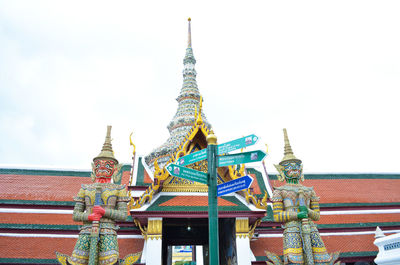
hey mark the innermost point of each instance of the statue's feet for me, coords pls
(273, 259)
(131, 259)
(335, 256)
(62, 258)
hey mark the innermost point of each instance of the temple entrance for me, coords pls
(185, 241)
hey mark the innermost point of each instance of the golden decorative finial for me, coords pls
(189, 35)
(106, 151)
(211, 138)
(134, 147)
(288, 154)
(199, 119)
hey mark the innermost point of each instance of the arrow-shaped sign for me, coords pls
(237, 144)
(192, 158)
(187, 173)
(234, 185)
(241, 158)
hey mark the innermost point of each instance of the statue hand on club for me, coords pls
(303, 212)
(97, 213)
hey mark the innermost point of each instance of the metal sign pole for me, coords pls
(212, 199)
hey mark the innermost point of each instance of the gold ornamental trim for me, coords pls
(242, 227)
(154, 229)
(253, 228)
(143, 229)
(185, 188)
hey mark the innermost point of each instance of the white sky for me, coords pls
(326, 70)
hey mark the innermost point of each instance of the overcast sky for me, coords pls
(328, 71)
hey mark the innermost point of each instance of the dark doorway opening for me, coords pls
(182, 232)
(194, 232)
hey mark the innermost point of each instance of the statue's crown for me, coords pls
(106, 151)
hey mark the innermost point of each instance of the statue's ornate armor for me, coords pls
(285, 208)
(114, 200)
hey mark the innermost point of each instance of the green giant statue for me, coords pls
(297, 206)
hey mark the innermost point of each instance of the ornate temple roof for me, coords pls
(36, 204)
(189, 103)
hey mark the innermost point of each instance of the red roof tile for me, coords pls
(353, 190)
(47, 188)
(353, 243)
(194, 201)
(359, 218)
(44, 248)
(147, 178)
(254, 185)
(37, 218)
(126, 175)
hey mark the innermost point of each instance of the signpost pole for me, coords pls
(212, 199)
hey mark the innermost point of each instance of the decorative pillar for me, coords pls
(199, 255)
(389, 248)
(154, 242)
(244, 256)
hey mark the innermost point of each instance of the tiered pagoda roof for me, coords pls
(189, 103)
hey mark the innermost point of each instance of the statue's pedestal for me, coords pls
(389, 248)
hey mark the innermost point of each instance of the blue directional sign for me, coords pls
(187, 173)
(192, 158)
(237, 144)
(241, 158)
(234, 185)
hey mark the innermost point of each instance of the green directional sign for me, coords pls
(187, 173)
(192, 158)
(237, 144)
(241, 158)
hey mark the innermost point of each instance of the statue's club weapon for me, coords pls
(95, 233)
(306, 233)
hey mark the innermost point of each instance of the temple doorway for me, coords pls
(185, 241)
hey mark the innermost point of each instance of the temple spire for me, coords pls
(189, 34)
(189, 100)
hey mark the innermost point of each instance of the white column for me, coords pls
(389, 248)
(199, 255)
(144, 253)
(243, 250)
(154, 242)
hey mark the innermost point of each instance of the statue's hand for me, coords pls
(94, 217)
(99, 210)
(302, 215)
(303, 209)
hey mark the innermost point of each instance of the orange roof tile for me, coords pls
(44, 248)
(359, 218)
(47, 188)
(353, 190)
(273, 244)
(352, 243)
(194, 201)
(254, 185)
(126, 175)
(37, 218)
(147, 178)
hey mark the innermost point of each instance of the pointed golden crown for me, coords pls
(288, 154)
(106, 151)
